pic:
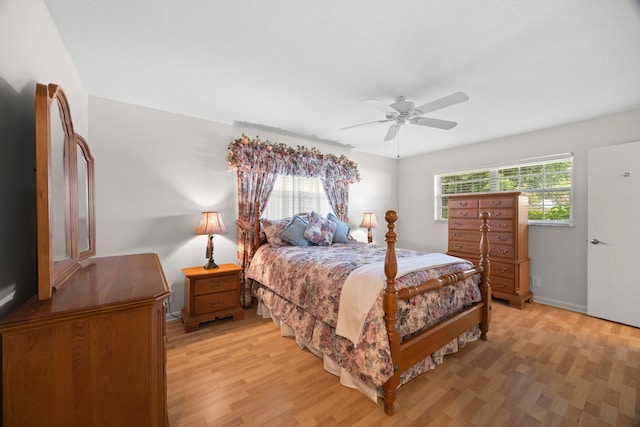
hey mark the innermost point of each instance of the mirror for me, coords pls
(58, 141)
(64, 189)
(86, 206)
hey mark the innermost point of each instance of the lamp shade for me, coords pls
(369, 220)
(211, 223)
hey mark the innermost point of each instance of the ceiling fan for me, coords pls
(403, 111)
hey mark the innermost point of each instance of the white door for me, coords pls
(614, 233)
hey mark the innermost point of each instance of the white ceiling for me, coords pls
(307, 67)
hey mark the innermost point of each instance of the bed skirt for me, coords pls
(349, 380)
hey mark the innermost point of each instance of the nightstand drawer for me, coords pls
(215, 284)
(215, 302)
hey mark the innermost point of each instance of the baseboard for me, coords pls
(173, 316)
(560, 304)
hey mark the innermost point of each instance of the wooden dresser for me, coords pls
(210, 294)
(508, 237)
(93, 354)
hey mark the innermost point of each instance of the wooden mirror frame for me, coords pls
(52, 273)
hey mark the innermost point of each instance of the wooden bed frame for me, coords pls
(406, 353)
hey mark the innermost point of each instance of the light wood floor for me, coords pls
(541, 366)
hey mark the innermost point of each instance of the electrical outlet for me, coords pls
(535, 281)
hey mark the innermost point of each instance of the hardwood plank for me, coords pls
(541, 366)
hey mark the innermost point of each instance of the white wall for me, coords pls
(156, 171)
(558, 254)
(31, 51)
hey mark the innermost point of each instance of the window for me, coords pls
(293, 194)
(548, 181)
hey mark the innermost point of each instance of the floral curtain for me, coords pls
(258, 163)
(254, 189)
(338, 194)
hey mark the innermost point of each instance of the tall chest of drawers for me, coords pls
(508, 239)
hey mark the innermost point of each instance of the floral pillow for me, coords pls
(272, 229)
(320, 230)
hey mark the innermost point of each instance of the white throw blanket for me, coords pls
(364, 284)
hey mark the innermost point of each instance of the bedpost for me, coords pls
(390, 308)
(485, 288)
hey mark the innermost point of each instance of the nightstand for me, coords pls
(211, 294)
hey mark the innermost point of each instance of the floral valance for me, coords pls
(265, 156)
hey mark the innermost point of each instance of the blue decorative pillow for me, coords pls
(320, 230)
(293, 232)
(342, 229)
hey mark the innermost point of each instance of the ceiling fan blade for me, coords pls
(364, 124)
(380, 106)
(447, 101)
(393, 131)
(434, 123)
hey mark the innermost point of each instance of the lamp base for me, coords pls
(211, 264)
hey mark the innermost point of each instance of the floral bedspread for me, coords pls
(301, 286)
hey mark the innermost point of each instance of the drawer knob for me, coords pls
(463, 203)
(457, 235)
(502, 285)
(501, 269)
(457, 246)
(496, 213)
(458, 224)
(503, 251)
(216, 285)
(503, 238)
(218, 304)
(496, 203)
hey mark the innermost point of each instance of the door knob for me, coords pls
(595, 241)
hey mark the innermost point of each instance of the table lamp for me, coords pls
(210, 224)
(369, 222)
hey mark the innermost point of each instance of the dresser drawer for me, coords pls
(464, 224)
(218, 283)
(463, 213)
(503, 238)
(497, 203)
(502, 251)
(215, 302)
(467, 235)
(501, 225)
(503, 270)
(464, 246)
(499, 213)
(463, 203)
(501, 284)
